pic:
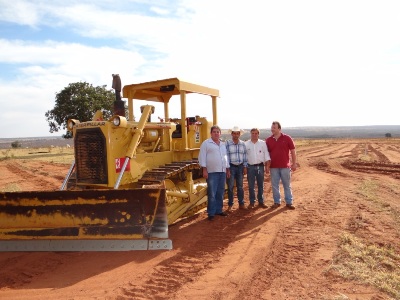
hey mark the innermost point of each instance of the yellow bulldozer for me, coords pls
(128, 182)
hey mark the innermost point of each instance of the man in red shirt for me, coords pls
(281, 147)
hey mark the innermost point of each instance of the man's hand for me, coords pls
(205, 173)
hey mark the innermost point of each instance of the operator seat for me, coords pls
(177, 133)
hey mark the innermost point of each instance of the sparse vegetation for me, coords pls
(337, 297)
(64, 155)
(369, 264)
(6, 154)
(12, 187)
(368, 189)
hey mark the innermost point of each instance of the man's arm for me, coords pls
(294, 159)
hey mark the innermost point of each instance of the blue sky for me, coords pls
(303, 63)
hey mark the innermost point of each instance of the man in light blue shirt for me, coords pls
(213, 160)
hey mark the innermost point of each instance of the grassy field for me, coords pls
(48, 154)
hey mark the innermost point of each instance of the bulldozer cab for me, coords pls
(162, 91)
(129, 179)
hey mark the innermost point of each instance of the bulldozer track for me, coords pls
(159, 174)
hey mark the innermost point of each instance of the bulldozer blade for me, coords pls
(86, 220)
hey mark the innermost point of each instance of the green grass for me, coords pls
(368, 264)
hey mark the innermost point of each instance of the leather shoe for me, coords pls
(241, 206)
(229, 208)
(251, 205)
(290, 206)
(276, 205)
(210, 218)
(223, 214)
(262, 205)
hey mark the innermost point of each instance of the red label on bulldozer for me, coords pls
(119, 162)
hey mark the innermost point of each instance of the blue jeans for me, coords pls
(256, 173)
(215, 192)
(236, 175)
(278, 174)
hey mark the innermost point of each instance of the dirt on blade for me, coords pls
(342, 186)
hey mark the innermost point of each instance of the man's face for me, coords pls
(254, 135)
(274, 129)
(215, 134)
(235, 135)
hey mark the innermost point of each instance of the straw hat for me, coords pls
(236, 129)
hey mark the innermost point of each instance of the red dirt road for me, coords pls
(341, 186)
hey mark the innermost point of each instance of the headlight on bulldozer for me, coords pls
(119, 121)
(71, 123)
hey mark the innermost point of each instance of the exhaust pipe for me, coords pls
(119, 105)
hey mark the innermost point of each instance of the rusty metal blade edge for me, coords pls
(83, 245)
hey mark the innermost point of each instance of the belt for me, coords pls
(236, 165)
(260, 164)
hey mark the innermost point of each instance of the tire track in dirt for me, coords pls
(390, 169)
(328, 167)
(210, 238)
(268, 228)
(381, 165)
(386, 167)
(38, 180)
(328, 161)
(294, 255)
(365, 222)
(391, 151)
(316, 224)
(330, 151)
(309, 149)
(381, 157)
(24, 273)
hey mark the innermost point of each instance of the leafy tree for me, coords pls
(388, 135)
(79, 101)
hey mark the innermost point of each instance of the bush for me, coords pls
(16, 144)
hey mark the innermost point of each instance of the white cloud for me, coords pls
(20, 12)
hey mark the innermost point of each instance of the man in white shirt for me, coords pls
(258, 162)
